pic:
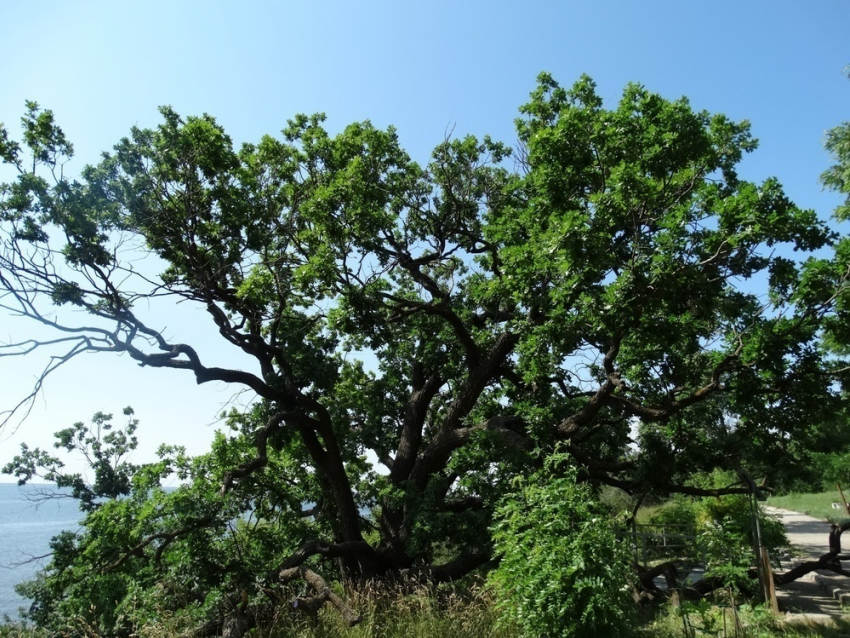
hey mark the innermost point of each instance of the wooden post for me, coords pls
(769, 588)
(840, 491)
(738, 626)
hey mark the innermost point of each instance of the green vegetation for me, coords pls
(818, 505)
(707, 620)
(560, 553)
(470, 614)
(561, 558)
(723, 529)
(424, 613)
(832, 468)
(608, 305)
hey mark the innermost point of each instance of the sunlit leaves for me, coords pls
(45, 140)
(837, 177)
(560, 558)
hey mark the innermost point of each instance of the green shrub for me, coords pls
(679, 510)
(724, 529)
(563, 572)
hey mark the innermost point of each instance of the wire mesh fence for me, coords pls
(654, 543)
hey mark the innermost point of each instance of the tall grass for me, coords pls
(425, 613)
(443, 612)
(469, 613)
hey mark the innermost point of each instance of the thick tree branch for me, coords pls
(324, 594)
(166, 537)
(415, 413)
(467, 562)
(330, 550)
(830, 561)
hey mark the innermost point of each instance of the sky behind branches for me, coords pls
(427, 68)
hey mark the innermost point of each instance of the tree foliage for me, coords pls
(610, 287)
(205, 548)
(104, 451)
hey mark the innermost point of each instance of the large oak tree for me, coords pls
(609, 287)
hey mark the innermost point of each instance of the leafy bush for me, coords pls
(563, 571)
(679, 510)
(726, 554)
(733, 513)
(724, 529)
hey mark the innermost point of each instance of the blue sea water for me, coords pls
(27, 523)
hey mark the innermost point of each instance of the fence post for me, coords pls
(757, 544)
(769, 588)
(840, 491)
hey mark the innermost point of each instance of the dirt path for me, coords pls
(809, 595)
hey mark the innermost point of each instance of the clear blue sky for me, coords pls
(423, 67)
